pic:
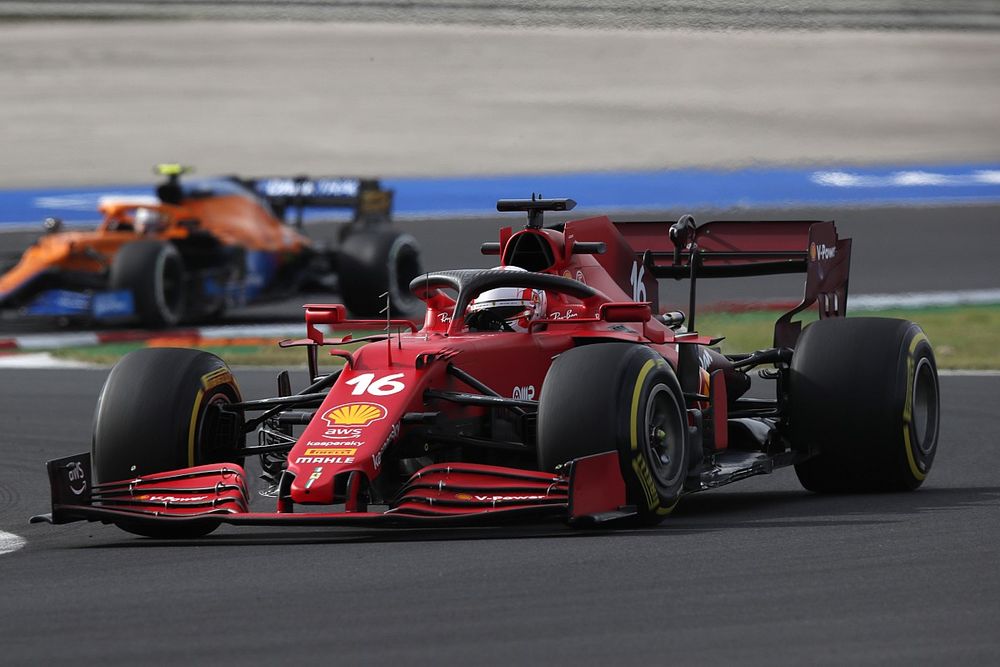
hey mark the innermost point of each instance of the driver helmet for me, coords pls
(148, 220)
(506, 308)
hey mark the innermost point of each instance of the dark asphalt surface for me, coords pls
(758, 573)
(895, 250)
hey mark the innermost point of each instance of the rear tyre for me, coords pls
(864, 397)
(154, 272)
(159, 410)
(375, 261)
(622, 397)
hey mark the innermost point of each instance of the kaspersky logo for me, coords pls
(358, 415)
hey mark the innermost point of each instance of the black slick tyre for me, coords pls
(374, 261)
(160, 410)
(154, 271)
(864, 399)
(618, 397)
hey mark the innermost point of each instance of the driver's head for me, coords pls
(148, 220)
(506, 308)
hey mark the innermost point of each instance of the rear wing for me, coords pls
(367, 198)
(735, 249)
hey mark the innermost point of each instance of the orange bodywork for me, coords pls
(234, 220)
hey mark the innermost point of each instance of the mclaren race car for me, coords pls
(549, 387)
(201, 246)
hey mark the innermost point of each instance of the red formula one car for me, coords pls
(548, 387)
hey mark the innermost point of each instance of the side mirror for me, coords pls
(626, 311)
(316, 313)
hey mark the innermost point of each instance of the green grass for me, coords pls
(966, 337)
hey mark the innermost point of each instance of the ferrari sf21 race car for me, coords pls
(201, 246)
(547, 387)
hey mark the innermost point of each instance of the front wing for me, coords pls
(590, 490)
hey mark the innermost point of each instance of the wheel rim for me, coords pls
(216, 400)
(664, 437)
(172, 286)
(925, 406)
(170, 292)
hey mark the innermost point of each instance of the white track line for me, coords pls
(10, 542)
(55, 340)
(35, 360)
(969, 374)
(924, 299)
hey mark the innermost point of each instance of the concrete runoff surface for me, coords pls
(92, 102)
(628, 14)
(757, 573)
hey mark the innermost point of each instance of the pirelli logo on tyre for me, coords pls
(219, 376)
(646, 481)
(355, 414)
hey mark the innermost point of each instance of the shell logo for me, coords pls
(812, 251)
(355, 414)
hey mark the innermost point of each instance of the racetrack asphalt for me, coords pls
(757, 573)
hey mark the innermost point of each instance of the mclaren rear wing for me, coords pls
(735, 249)
(366, 197)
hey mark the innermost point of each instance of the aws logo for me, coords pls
(355, 414)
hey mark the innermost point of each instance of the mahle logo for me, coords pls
(355, 414)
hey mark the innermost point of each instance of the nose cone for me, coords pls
(316, 469)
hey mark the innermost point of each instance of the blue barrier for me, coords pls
(610, 191)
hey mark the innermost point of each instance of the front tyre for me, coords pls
(373, 261)
(864, 397)
(617, 396)
(162, 409)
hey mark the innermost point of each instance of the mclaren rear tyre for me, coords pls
(162, 409)
(864, 398)
(154, 272)
(618, 397)
(374, 261)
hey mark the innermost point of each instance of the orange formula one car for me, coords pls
(203, 245)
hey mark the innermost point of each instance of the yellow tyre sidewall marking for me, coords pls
(664, 511)
(194, 423)
(209, 381)
(638, 462)
(634, 422)
(908, 408)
